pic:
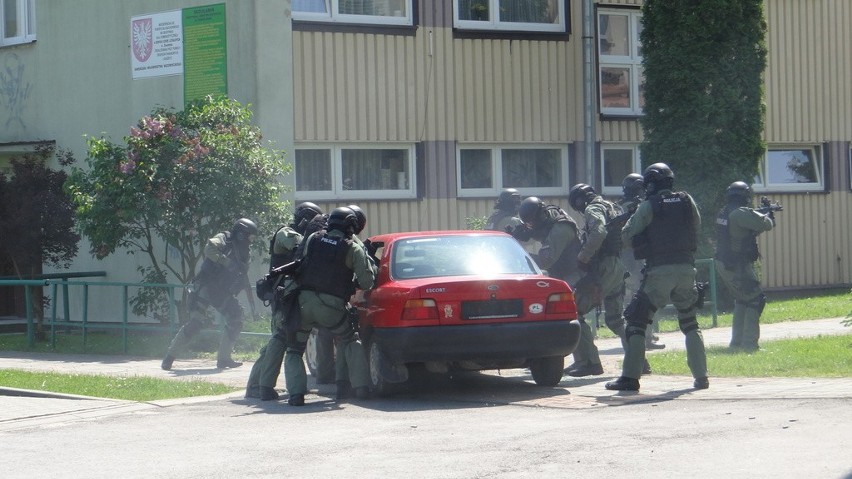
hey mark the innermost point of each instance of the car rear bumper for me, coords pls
(478, 341)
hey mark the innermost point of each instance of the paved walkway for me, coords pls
(22, 408)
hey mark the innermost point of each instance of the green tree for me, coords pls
(37, 217)
(178, 179)
(704, 106)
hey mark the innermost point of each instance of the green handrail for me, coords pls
(84, 324)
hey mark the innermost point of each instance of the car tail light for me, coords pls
(560, 303)
(418, 309)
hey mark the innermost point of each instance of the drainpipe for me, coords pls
(589, 97)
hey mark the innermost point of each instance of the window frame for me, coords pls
(617, 190)
(497, 170)
(631, 62)
(337, 192)
(762, 185)
(334, 16)
(496, 25)
(26, 19)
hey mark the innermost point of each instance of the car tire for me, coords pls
(547, 371)
(311, 353)
(378, 362)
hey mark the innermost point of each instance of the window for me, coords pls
(791, 168)
(535, 170)
(384, 12)
(618, 161)
(510, 15)
(355, 172)
(17, 18)
(621, 80)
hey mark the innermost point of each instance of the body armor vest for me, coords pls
(496, 217)
(566, 264)
(324, 268)
(671, 237)
(612, 244)
(747, 251)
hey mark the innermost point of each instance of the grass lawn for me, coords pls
(819, 357)
(137, 388)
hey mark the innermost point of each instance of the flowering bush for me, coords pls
(178, 179)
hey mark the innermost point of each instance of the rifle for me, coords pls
(265, 286)
(619, 221)
(768, 207)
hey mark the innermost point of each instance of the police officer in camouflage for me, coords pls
(505, 216)
(737, 228)
(223, 275)
(633, 191)
(603, 278)
(663, 232)
(558, 234)
(282, 250)
(332, 265)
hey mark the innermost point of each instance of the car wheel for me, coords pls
(547, 371)
(311, 353)
(385, 376)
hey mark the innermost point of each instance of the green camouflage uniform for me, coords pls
(604, 280)
(737, 272)
(329, 311)
(223, 275)
(664, 282)
(268, 365)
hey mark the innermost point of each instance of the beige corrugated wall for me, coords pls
(361, 87)
(809, 72)
(368, 87)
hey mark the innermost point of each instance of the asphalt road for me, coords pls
(478, 425)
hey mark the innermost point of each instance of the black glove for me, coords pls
(520, 233)
(370, 247)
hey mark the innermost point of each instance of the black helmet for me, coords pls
(530, 211)
(632, 185)
(343, 219)
(360, 216)
(509, 200)
(658, 177)
(738, 193)
(304, 213)
(243, 229)
(580, 196)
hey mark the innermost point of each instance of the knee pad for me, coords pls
(757, 303)
(640, 311)
(294, 352)
(687, 325)
(634, 330)
(296, 348)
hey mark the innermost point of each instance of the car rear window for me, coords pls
(460, 256)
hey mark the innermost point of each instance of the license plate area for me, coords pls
(492, 309)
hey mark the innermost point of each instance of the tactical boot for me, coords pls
(267, 393)
(701, 383)
(623, 384)
(167, 362)
(253, 392)
(587, 369)
(296, 400)
(362, 392)
(227, 363)
(344, 390)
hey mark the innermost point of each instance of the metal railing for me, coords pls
(53, 321)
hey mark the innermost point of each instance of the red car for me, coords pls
(463, 300)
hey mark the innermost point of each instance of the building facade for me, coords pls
(421, 111)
